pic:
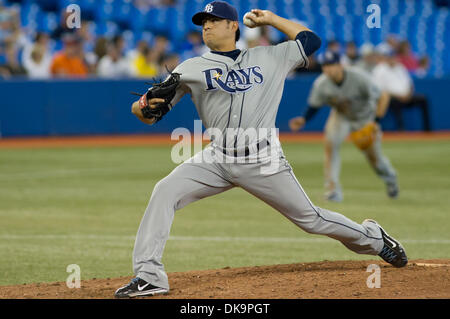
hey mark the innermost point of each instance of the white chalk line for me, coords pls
(440, 241)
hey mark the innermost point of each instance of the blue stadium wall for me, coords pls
(102, 107)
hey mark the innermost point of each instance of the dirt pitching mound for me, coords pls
(337, 279)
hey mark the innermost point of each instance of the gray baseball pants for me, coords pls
(337, 129)
(269, 178)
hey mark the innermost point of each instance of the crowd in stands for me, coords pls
(369, 56)
(81, 55)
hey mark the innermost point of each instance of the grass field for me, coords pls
(61, 206)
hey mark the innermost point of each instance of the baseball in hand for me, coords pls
(247, 21)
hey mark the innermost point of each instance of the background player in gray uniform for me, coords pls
(357, 105)
(232, 90)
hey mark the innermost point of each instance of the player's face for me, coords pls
(216, 31)
(71, 48)
(391, 60)
(333, 71)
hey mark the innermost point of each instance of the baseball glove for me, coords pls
(164, 90)
(365, 136)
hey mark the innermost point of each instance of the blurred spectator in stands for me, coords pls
(11, 67)
(88, 43)
(264, 36)
(168, 64)
(86, 36)
(193, 45)
(11, 30)
(132, 54)
(160, 47)
(69, 62)
(393, 42)
(406, 57)
(424, 66)
(384, 49)
(253, 37)
(351, 56)
(142, 5)
(334, 46)
(38, 66)
(145, 65)
(369, 58)
(119, 42)
(101, 47)
(391, 76)
(147, 4)
(40, 38)
(113, 64)
(36, 58)
(4, 73)
(3, 14)
(6, 22)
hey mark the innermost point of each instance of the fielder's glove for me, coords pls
(365, 136)
(164, 90)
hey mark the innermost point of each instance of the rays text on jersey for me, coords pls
(233, 81)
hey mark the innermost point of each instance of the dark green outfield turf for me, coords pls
(83, 206)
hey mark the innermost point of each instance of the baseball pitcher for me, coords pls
(236, 92)
(357, 105)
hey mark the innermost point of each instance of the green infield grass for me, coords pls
(62, 206)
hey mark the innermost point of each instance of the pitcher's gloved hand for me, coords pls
(165, 90)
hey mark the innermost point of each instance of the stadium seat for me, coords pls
(47, 22)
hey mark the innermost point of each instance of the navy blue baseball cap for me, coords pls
(330, 57)
(219, 9)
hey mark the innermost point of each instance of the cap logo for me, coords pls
(209, 8)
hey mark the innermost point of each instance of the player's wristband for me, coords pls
(309, 113)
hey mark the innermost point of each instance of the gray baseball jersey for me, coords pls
(242, 93)
(355, 98)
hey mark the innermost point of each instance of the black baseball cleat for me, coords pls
(138, 288)
(392, 251)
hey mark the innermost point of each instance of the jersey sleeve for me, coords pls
(181, 91)
(316, 96)
(182, 88)
(289, 55)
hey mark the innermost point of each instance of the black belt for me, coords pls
(235, 152)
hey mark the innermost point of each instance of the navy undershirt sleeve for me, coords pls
(310, 41)
(309, 112)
